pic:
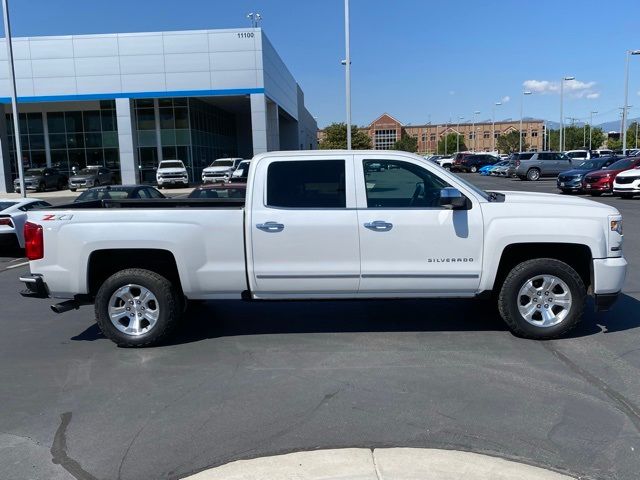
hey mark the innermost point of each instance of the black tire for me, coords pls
(508, 298)
(73, 189)
(626, 195)
(169, 304)
(41, 187)
(533, 174)
(595, 194)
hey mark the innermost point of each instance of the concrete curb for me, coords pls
(378, 464)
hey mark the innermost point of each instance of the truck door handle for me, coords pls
(271, 227)
(379, 226)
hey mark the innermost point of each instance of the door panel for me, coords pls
(421, 248)
(303, 228)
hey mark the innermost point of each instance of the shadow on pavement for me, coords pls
(204, 320)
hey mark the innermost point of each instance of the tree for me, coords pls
(615, 143)
(448, 144)
(632, 141)
(407, 143)
(510, 142)
(577, 138)
(335, 138)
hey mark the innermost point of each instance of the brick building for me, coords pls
(385, 130)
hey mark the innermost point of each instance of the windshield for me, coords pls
(88, 171)
(171, 165)
(621, 164)
(5, 205)
(242, 170)
(102, 194)
(590, 165)
(221, 192)
(222, 163)
(34, 171)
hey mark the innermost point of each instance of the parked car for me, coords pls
(41, 179)
(220, 170)
(241, 172)
(225, 190)
(601, 181)
(119, 192)
(13, 216)
(172, 172)
(578, 154)
(627, 183)
(501, 170)
(603, 152)
(459, 157)
(313, 227)
(445, 161)
(489, 169)
(472, 163)
(535, 165)
(571, 180)
(90, 177)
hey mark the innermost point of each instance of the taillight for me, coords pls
(33, 241)
(6, 221)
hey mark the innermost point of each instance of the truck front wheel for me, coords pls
(137, 308)
(542, 298)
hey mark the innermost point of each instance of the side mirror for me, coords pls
(452, 198)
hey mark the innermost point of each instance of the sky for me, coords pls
(419, 60)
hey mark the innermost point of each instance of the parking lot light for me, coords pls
(625, 106)
(526, 92)
(473, 128)
(564, 79)
(493, 124)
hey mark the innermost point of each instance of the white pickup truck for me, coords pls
(329, 225)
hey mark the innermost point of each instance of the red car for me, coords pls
(601, 181)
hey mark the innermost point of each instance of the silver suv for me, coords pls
(533, 165)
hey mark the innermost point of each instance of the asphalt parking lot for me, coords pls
(243, 380)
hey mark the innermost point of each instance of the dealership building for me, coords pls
(129, 100)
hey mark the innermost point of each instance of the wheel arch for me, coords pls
(576, 255)
(104, 263)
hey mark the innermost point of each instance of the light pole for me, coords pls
(458, 135)
(254, 18)
(626, 99)
(473, 128)
(347, 72)
(14, 97)
(591, 114)
(493, 125)
(526, 92)
(564, 79)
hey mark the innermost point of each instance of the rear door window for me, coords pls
(306, 184)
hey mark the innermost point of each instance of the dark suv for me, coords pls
(473, 162)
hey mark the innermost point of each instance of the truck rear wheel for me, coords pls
(137, 308)
(542, 298)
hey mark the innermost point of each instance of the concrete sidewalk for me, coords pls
(378, 464)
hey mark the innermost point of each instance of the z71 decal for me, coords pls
(65, 216)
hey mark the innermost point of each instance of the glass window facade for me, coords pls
(385, 139)
(76, 139)
(190, 130)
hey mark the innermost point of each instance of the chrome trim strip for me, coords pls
(369, 275)
(418, 275)
(271, 277)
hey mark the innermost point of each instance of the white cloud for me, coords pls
(574, 88)
(505, 99)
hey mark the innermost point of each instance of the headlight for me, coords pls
(615, 234)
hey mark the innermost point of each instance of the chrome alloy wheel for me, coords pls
(544, 300)
(133, 309)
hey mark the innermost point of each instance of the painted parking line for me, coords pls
(9, 267)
